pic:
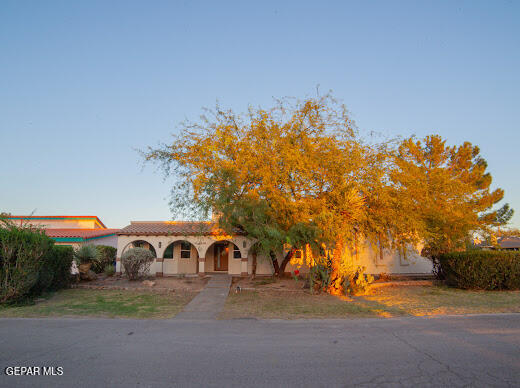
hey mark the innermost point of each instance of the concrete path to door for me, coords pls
(210, 301)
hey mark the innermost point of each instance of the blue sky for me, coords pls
(83, 84)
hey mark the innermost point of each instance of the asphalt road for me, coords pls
(447, 351)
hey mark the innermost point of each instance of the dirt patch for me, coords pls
(194, 284)
(268, 283)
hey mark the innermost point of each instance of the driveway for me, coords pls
(447, 351)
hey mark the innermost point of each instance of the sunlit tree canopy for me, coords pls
(300, 174)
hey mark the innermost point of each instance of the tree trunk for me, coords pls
(335, 286)
(275, 264)
(253, 267)
(286, 259)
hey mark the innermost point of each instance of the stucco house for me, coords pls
(72, 230)
(201, 247)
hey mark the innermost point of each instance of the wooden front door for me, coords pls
(221, 257)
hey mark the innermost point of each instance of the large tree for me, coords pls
(300, 175)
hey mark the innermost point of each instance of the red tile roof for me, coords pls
(79, 233)
(172, 228)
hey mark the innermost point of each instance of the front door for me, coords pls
(221, 257)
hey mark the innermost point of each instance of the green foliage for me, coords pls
(106, 256)
(86, 254)
(504, 214)
(319, 277)
(109, 270)
(136, 262)
(357, 282)
(23, 252)
(483, 270)
(55, 271)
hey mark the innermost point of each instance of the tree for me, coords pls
(300, 176)
(289, 176)
(446, 188)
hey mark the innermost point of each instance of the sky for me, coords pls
(84, 85)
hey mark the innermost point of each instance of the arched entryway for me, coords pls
(180, 257)
(223, 256)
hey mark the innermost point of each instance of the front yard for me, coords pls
(286, 299)
(103, 303)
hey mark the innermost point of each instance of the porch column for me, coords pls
(243, 267)
(201, 266)
(159, 273)
(118, 266)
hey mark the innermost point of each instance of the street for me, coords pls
(443, 351)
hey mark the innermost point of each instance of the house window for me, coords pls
(298, 254)
(236, 253)
(185, 250)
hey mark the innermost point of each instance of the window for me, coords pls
(298, 254)
(185, 250)
(168, 253)
(236, 253)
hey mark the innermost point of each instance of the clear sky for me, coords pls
(84, 84)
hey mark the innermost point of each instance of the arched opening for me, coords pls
(140, 244)
(180, 257)
(223, 256)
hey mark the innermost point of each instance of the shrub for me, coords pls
(106, 256)
(109, 270)
(484, 270)
(136, 262)
(86, 254)
(23, 252)
(357, 282)
(55, 271)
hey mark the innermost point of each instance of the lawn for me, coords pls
(103, 303)
(390, 300)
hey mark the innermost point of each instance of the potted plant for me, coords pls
(85, 256)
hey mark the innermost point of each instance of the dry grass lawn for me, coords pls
(103, 303)
(383, 300)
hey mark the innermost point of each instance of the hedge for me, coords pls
(483, 270)
(30, 263)
(55, 271)
(23, 251)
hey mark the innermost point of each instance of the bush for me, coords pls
(484, 270)
(55, 271)
(23, 252)
(109, 270)
(357, 282)
(106, 256)
(136, 262)
(86, 254)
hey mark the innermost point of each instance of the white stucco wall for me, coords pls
(392, 262)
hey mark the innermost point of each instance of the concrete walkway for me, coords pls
(210, 301)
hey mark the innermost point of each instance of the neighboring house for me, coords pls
(508, 243)
(200, 247)
(72, 230)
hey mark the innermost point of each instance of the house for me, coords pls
(508, 243)
(200, 247)
(72, 230)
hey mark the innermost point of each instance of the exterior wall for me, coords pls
(234, 265)
(111, 241)
(392, 262)
(62, 223)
